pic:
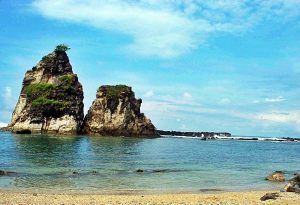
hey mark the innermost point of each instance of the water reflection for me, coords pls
(45, 161)
(110, 163)
(41, 150)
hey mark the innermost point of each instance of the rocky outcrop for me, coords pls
(51, 99)
(6, 173)
(116, 112)
(269, 196)
(276, 177)
(201, 135)
(293, 185)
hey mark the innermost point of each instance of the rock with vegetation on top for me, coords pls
(116, 112)
(51, 99)
(276, 177)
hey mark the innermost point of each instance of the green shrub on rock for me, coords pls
(62, 48)
(45, 102)
(66, 78)
(46, 59)
(114, 91)
(38, 87)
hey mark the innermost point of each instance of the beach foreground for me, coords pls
(22, 198)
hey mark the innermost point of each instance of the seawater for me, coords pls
(110, 164)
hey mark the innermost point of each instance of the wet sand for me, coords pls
(23, 198)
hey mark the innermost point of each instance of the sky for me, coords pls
(198, 65)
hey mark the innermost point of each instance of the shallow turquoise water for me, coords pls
(169, 164)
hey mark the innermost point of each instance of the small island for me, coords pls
(51, 99)
(116, 112)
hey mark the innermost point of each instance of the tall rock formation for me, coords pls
(116, 112)
(51, 99)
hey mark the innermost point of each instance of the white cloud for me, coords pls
(7, 94)
(6, 104)
(6, 98)
(225, 101)
(149, 93)
(187, 95)
(278, 99)
(167, 28)
(276, 118)
(280, 117)
(2, 124)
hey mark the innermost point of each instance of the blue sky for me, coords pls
(198, 65)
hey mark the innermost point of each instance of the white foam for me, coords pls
(223, 137)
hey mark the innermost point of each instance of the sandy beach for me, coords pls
(23, 198)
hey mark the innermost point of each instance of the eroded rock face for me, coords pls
(293, 185)
(51, 99)
(276, 177)
(116, 112)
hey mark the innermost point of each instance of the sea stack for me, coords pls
(51, 99)
(116, 112)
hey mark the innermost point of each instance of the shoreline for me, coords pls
(249, 197)
(132, 192)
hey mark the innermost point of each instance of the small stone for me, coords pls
(3, 173)
(35, 194)
(269, 196)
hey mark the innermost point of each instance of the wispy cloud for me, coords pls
(6, 104)
(6, 97)
(167, 28)
(275, 118)
(7, 94)
(225, 101)
(187, 95)
(278, 99)
(149, 93)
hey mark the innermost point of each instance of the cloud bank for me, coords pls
(2, 124)
(167, 28)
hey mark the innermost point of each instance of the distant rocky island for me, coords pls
(202, 135)
(51, 102)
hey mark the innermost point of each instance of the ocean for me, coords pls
(120, 164)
